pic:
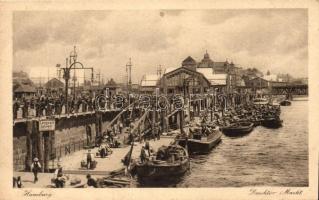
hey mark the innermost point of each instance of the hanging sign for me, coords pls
(46, 125)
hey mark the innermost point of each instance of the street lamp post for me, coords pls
(66, 74)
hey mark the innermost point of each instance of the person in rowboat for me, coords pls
(146, 152)
(143, 155)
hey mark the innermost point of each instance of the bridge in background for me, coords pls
(293, 89)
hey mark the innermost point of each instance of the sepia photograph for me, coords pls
(162, 98)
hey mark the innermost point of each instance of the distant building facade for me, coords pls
(149, 83)
(112, 87)
(183, 81)
(23, 87)
(208, 76)
(195, 77)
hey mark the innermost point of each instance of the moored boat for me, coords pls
(199, 143)
(285, 103)
(238, 129)
(170, 161)
(271, 122)
(256, 122)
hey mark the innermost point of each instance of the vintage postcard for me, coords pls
(179, 100)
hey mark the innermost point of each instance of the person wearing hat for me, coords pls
(143, 155)
(35, 168)
(102, 150)
(58, 175)
(91, 181)
(148, 149)
(89, 159)
(120, 127)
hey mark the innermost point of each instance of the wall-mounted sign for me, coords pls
(47, 125)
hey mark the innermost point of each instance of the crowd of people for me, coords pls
(47, 105)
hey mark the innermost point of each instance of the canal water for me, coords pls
(265, 157)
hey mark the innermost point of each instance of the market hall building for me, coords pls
(184, 80)
(193, 77)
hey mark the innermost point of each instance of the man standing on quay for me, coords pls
(35, 167)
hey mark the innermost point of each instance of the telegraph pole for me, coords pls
(129, 76)
(159, 71)
(98, 75)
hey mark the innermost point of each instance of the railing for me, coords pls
(21, 118)
(140, 121)
(119, 115)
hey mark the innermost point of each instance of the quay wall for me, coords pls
(70, 135)
(73, 130)
(19, 145)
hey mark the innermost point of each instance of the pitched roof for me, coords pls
(167, 70)
(21, 81)
(19, 74)
(271, 77)
(205, 64)
(54, 83)
(219, 64)
(25, 88)
(186, 69)
(257, 78)
(189, 60)
(206, 58)
(214, 79)
(111, 83)
(150, 80)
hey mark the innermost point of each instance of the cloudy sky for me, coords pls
(274, 40)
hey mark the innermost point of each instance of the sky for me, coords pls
(268, 39)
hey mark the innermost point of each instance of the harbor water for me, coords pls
(265, 157)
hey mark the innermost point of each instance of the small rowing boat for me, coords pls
(170, 161)
(199, 142)
(285, 103)
(238, 129)
(271, 122)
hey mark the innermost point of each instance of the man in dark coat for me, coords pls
(59, 180)
(91, 181)
(89, 159)
(35, 167)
